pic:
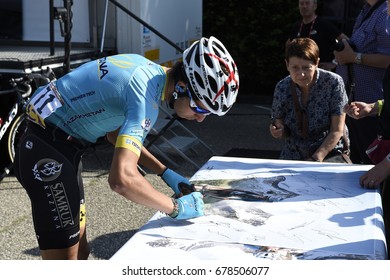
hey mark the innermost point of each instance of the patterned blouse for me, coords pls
(327, 98)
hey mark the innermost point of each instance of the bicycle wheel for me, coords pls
(16, 131)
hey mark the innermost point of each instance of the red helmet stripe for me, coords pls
(231, 75)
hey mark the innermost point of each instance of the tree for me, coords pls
(255, 33)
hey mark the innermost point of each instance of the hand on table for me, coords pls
(190, 206)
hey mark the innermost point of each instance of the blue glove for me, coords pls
(172, 179)
(190, 206)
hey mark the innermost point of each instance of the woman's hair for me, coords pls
(304, 48)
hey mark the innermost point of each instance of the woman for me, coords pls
(307, 108)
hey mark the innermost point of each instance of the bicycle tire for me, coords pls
(17, 128)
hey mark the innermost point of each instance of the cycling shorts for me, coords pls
(48, 166)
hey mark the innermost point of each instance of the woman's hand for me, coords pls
(277, 129)
(376, 175)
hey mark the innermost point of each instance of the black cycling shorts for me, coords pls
(48, 166)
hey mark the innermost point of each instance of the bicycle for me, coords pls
(12, 125)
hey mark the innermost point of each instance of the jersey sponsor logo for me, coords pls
(103, 68)
(86, 115)
(29, 145)
(81, 96)
(129, 142)
(47, 170)
(74, 235)
(205, 76)
(58, 201)
(136, 132)
(146, 125)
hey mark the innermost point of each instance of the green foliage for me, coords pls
(255, 33)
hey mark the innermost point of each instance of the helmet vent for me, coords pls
(208, 61)
(226, 89)
(213, 84)
(199, 80)
(214, 106)
(189, 55)
(217, 47)
(217, 53)
(197, 57)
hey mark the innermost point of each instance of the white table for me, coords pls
(272, 209)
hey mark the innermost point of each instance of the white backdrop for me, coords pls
(36, 21)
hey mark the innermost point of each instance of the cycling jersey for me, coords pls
(102, 95)
(98, 97)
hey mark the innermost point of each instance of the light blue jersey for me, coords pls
(102, 95)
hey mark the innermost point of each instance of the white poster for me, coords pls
(274, 209)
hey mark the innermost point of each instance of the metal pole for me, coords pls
(51, 7)
(104, 27)
(68, 35)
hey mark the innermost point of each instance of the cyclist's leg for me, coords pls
(50, 172)
(81, 250)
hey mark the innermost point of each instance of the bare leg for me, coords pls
(61, 254)
(84, 249)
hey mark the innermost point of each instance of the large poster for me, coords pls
(274, 209)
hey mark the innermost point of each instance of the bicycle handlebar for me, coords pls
(23, 86)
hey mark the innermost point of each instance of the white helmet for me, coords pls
(212, 74)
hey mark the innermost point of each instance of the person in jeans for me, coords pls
(379, 175)
(362, 64)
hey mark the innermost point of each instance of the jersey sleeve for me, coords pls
(141, 110)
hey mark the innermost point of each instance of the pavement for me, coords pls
(111, 219)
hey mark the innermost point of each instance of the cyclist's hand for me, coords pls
(190, 206)
(173, 179)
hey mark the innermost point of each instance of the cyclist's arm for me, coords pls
(146, 158)
(151, 162)
(125, 179)
(111, 136)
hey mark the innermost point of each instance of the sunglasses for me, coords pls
(194, 107)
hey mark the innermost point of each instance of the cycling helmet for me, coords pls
(212, 75)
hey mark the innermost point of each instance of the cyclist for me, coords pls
(117, 97)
